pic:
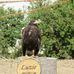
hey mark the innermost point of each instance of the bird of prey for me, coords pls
(31, 38)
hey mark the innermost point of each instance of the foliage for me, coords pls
(10, 31)
(57, 29)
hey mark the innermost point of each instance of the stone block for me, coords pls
(9, 66)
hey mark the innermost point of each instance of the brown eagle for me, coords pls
(31, 38)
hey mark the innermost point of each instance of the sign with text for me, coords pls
(28, 66)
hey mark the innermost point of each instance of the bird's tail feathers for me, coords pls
(29, 53)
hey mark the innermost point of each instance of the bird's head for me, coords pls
(35, 22)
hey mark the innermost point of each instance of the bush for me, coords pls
(10, 31)
(57, 29)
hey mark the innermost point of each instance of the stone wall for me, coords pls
(9, 66)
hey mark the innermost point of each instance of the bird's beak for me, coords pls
(37, 21)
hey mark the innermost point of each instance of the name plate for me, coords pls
(29, 66)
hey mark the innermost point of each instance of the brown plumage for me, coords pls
(31, 39)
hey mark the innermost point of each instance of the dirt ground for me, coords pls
(65, 67)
